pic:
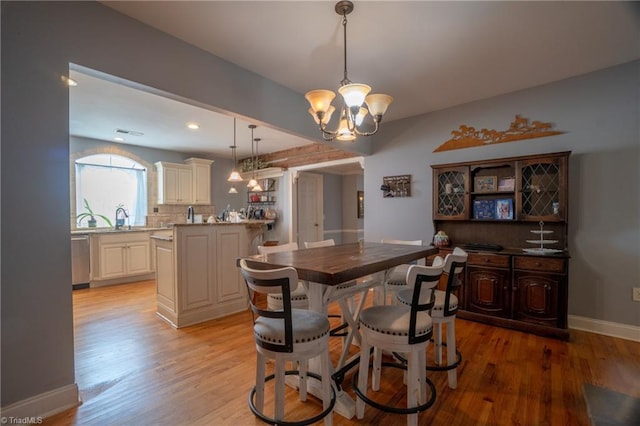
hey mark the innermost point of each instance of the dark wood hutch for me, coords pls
(510, 215)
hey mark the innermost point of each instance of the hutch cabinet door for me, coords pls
(542, 189)
(451, 193)
(487, 291)
(536, 297)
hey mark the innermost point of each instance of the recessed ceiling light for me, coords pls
(193, 126)
(118, 139)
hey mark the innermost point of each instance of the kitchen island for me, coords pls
(196, 275)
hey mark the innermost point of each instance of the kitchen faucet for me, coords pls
(120, 222)
(191, 214)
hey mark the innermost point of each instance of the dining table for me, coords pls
(322, 268)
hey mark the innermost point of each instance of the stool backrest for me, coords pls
(407, 243)
(278, 248)
(323, 243)
(421, 278)
(454, 264)
(268, 281)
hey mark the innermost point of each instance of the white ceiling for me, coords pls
(427, 55)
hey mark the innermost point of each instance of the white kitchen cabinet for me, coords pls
(196, 274)
(175, 183)
(201, 180)
(122, 255)
(188, 183)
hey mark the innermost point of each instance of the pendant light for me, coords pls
(253, 182)
(234, 176)
(257, 187)
(354, 96)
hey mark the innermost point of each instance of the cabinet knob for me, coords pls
(538, 264)
(486, 260)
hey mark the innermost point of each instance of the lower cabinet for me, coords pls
(527, 293)
(197, 277)
(120, 256)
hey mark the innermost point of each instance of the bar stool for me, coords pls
(444, 312)
(396, 279)
(295, 335)
(403, 329)
(299, 298)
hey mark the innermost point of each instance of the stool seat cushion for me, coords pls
(298, 294)
(307, 326)
(405, 296)
(398, 275)
(394, 320)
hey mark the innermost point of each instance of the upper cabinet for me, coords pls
(542, 188)
(451, 193)
(188, 183)
(201, 180)
(531, 188)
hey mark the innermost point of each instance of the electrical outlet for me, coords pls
(636, 294)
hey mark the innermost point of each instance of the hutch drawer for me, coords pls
(539, 264)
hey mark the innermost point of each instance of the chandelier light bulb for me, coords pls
(233, 190)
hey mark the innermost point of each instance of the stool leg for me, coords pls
(279, 388)
(437, 338)
(326, 386)
(261, 362)
(377, 366)
(451, 352)
(422, 368)
(363, 375)
(303, 368)
(412, 385)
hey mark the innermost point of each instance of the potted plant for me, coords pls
(92, 216)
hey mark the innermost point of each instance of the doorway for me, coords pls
(310, 208)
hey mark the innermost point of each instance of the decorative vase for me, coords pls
(441, 239)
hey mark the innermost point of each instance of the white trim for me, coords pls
(613, 329)
(44, 405)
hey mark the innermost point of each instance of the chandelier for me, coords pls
(354, 96)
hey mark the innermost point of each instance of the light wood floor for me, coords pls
(134, 369)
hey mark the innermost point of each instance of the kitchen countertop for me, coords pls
(250, 223)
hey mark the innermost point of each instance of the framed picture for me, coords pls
(485, 184)
(506, 184)
(484, 209)
(504, 209)
(360, 204)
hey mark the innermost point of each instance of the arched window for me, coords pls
(108, 181)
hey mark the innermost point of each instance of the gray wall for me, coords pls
(39, 40)
(600, 113)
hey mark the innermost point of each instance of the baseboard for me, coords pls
(613, 329)
(36, 408)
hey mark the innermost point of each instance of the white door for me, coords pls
(310, 208)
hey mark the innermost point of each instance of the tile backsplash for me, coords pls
(167, 214)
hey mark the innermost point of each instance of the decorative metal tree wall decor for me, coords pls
(520, 128)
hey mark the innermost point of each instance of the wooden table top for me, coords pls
(345, 262)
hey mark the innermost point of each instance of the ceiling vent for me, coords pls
(129, 132)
